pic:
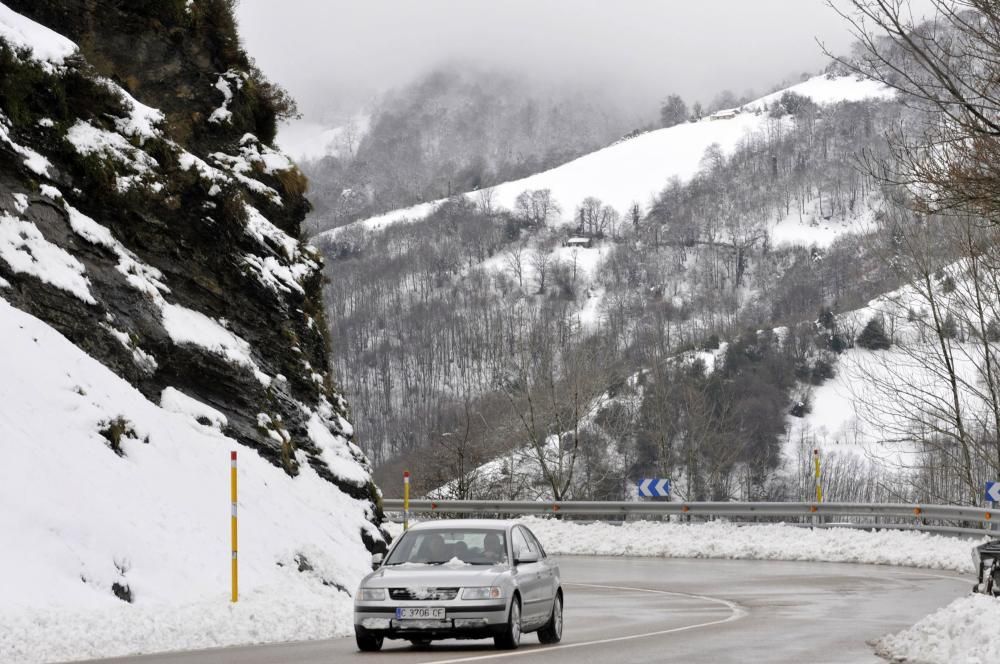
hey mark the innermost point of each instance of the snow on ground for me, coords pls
(187, 326)
(872, 405)
(25, 250)
(31, 159)
(45, 45)
(634, 170)
(155, 519)
(723, 539)
(964, 631)
(829, 90)
(818, 228)
(852, 410)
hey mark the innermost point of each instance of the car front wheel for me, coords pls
(552, 632)
(511, 636)
(368, 642)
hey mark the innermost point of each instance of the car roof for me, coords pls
(482, 524)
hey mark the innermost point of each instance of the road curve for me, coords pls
(665, 610)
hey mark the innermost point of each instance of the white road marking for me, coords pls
(737, 612)
(960, 579)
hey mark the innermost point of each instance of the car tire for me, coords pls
(510, 638)
(368, 642)
(552, 631)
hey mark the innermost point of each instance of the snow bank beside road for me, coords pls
(964, 631)
(720, 539)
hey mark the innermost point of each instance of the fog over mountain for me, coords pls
(636, 51)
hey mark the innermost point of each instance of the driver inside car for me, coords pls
(493, 548)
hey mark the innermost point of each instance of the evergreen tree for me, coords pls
(873, 337)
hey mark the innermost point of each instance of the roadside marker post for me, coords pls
(654, 487)
(819, 486)
(406, 500)
(235, 562)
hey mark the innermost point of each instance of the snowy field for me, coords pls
(632, 171)
(154, 519)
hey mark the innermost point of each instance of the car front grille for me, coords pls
(422, 594)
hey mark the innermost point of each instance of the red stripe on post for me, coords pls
(232, 455)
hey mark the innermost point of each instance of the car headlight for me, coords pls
(371, 594)
(488, 592)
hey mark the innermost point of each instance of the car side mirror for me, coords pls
(526, 557)
(377, 559)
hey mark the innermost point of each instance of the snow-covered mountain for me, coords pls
(633, 170)
(157, 311)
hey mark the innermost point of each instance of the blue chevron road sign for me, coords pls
(993, 491)
(654, 488)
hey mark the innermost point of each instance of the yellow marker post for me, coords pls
(406, 499)
(232, 479)
(819, 487)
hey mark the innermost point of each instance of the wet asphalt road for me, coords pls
(663, 610)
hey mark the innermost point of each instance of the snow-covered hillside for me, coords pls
(632, 171)
(881, 401)
(153, 519)
(158, 311)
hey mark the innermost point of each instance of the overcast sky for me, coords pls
(333, 54)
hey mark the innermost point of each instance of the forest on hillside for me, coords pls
(684, 339)
(474, 332)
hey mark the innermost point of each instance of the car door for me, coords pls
(549, 570)
(530, 578)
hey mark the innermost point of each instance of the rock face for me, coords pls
(146, 217)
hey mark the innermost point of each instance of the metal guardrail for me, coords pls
(948, 519)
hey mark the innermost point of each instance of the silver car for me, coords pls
(461, 579)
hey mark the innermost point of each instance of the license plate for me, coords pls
(420, 613)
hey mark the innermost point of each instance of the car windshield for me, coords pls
(439, 546)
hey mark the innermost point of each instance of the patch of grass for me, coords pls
(293, 181)
(115, 431)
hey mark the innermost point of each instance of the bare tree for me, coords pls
(536, 206)
(514, 259)
(541, 261)
(555, 391)
(949, 68)
(596, 218)
(486, 201)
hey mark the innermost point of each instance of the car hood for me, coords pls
(433, 576)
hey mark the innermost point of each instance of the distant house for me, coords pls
(584, 242)
(724, 114)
